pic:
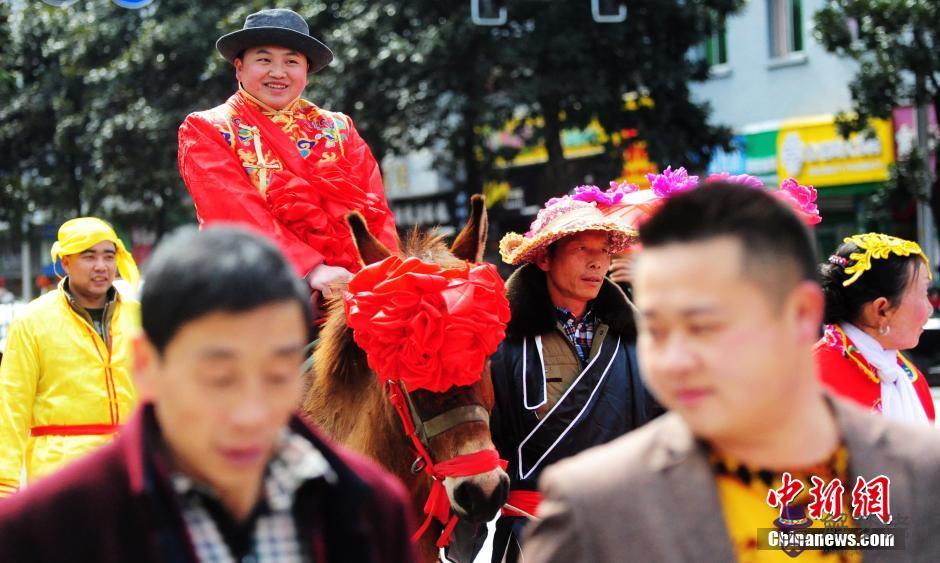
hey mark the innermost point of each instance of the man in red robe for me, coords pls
(277, 163)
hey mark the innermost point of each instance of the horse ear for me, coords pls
(471, 242)
(370, 249)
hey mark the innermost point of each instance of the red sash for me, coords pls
(283, 145)
(74, 430)
(317, 215)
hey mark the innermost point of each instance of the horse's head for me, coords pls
(452, 421)
(456, 423)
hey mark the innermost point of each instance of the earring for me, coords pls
(885, 330)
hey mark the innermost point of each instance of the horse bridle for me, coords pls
(419, 432)
(442, 423)
(427, 429)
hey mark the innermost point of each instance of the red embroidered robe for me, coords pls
(845, 372)
(292, 175)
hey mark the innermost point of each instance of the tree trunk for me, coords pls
(160, 224)
(934, 194)
(75, 185)
(556, 180)
(473, 183)
(74, 94)
(472, 89)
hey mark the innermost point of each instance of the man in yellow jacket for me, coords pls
(65, 378)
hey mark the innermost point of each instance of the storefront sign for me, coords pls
(753, 152)
(423, 212)
(811, 151)
(521, 136)
(905, 131)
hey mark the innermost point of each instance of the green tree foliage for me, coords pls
(443, 78)
(11, 203)
(896, 44)
(94, 93)
(99, 92)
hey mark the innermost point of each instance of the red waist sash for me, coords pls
(74, 429)
(527, 501)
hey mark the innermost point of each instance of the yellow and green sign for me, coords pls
(811, 151)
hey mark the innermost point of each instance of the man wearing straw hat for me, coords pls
(275, 162)
(565, 379)
(752, 449)
(65, 379)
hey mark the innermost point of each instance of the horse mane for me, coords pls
(430, 247)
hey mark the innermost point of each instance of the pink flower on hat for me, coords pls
(741, 179)
(587, 209)
(672, 182)
(586, 194)
(802, 198)
(594, 194)
(623, 187)
(553, 208)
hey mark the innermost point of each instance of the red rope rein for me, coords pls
(522, 503)
(437, 507)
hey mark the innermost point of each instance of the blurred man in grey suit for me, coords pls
(729, 309)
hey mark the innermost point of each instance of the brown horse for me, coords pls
(348, 401)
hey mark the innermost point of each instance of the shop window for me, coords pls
(786, 27)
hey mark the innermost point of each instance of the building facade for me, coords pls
(780, 90)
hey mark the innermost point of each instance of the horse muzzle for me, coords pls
(477, 498)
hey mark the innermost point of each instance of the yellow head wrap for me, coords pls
(878, 246)
(78, 235)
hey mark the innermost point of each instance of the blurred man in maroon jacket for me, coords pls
(215, 466)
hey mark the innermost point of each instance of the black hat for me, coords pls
(793, 518)
(276, 27)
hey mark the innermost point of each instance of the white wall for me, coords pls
(753, 89)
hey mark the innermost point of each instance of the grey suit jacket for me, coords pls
(651, 495)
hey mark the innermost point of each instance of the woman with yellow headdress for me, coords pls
(65, 379)
(876, 306)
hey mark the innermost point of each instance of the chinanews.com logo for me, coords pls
(794, 532)
(795, 542)
(129, 4)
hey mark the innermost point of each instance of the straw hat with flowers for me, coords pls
(615, 211)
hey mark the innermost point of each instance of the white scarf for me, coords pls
(899, 399)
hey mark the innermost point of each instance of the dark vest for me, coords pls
(605, 400)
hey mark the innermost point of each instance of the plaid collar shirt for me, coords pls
(579, 332)
(269, 534)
